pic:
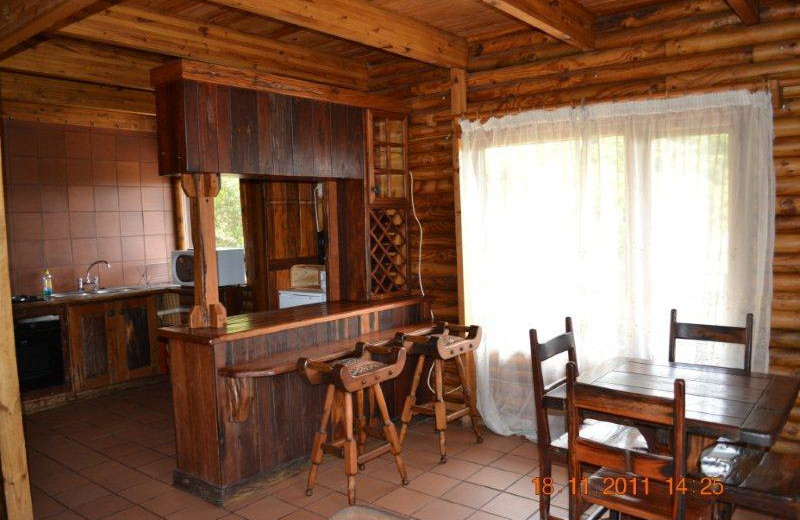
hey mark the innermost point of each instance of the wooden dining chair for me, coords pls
(714, 333)
(556, 450)
(643, 485)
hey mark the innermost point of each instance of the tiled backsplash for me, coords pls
(76, 194)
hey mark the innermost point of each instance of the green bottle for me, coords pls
(47, 285)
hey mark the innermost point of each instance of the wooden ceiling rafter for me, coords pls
(566, 20)
(86, 61)
(747, 10)
(364, 23)
(152, 31)
(24, 19)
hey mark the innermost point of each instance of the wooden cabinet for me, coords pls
(388, 209)
(113, 341)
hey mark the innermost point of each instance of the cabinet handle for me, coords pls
(110, 313)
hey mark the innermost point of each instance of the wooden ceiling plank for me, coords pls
(37, 89)
(78, 116)
(359, 21)
(24, 19)
(566, 20)
(747, 10)
(85, 61)
(155, 32)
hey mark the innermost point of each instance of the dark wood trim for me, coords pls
(260, 81)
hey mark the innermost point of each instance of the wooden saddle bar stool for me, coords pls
(556, 450)
(445, 341)
(345, 377)
(712, 333)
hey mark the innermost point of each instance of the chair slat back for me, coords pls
(713, 333)
(622, 407)
(541, 352)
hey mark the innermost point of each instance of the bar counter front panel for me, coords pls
(216, 455)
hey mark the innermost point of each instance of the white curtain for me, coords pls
(614, 214)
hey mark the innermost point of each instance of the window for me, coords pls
(227, 214)
(614, 214)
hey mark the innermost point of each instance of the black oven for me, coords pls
(40, 359)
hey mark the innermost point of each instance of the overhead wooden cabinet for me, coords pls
(113, 342)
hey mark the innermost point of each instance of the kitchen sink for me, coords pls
(83, 294)
(113, 290)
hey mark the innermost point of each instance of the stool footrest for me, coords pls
(423, 409)
(458, 414)
(374, 454)
(334, 449)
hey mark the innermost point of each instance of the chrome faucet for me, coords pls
(89, 280)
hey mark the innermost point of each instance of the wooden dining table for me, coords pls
(742, 407)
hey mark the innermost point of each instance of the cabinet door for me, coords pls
(387, 158)
(136, 342)
(92, 344)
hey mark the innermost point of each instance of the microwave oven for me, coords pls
(230, 266)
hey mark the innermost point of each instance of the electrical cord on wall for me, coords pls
(419, 266)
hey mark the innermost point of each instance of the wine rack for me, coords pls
(388, 229)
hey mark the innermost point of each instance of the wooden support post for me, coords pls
(201, 188)
(13, 461)
(179, 213)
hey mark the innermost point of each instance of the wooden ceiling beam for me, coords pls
(23, 88)
(24, 19)
(181, 37)
(747, 10)
(566, 20)
(362, 22)
(85, 61)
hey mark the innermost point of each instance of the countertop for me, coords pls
(261, 323)
(73, 298)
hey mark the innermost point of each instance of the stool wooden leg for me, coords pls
(319, 440)
(439, 408)
(411, 400)
(390, 433)
(350, 455)
(361, 425)
(469, 398)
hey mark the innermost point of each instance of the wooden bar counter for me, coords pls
(241, 413)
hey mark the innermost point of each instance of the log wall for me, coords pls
(667, 50)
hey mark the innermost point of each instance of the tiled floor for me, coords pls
(112, 458)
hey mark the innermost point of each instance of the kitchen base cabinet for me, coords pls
(112, 342)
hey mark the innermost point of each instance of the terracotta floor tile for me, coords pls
(156, 468)
(102, 507)
(171, 501)
(329, 505)
(560, 499)
(494, 478)
(370, 489)
(433, 484)
(480, 455)
(133, 513)
(526, 449)
(44, 506)
(483, 515)
(404, 501)
(500, 443)
(441, 510)
(145, 491)
(204, 511)
(516, 464)
(269, 508)
(389, 473)
(113, 475)
(65, 515)
(303, 514)
(511, 506)
(523, 487)
(423, 460)
(296, 494)
(58, 481)
(471, 495)
(81, 495)
(457, 468)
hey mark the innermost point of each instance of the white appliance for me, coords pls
(230, 266)
(307, 286)
(296, 297)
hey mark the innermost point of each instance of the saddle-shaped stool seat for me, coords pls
(345, 377)
(444, 342)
